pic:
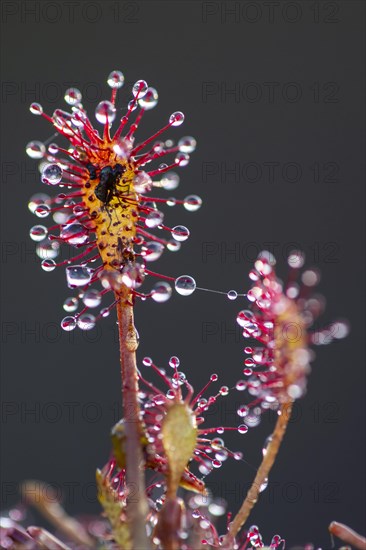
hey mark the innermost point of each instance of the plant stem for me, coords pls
(262, 473)
(137, 507)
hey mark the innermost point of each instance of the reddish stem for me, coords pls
(262, 474)
(137, 507)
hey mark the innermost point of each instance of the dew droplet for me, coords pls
(36, 109)
(37, 200)
(42, 211)
(296, 259)
(115, 79)
(216, 463)
(48, 250)
(71, 304)
(48, 265)
(243, 410)
(133, 275)
(192, 203)
(173, 246)
(147, 361)
(310, 277)
(171, 201)
(150, 99)
(74, 234)
(86, 321)
(224, 390)
(217, 507)
(241, 385)
(154, 218)
(182, 159)
(185, 285)
(38, 232)
(176, 118)
(187, 144)
(53, 148)
(140, 87)
(35, 149)
(264, 485)
(142, 182)
(92, 298)
(174, 362)
(161, 292)
(170, 181)
(68, 323)
(180, 233)
(243, 428)
(78, 275)
(214, 377)
(104, 111)
(152, 251)
(73, 96)
(52, 174)
(232, 295)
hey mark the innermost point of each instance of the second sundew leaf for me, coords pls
(179, 438)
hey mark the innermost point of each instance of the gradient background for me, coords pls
(185, 49)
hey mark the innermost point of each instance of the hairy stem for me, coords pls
(137, 507)
(262, 473)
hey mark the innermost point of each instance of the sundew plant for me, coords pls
(100, 185)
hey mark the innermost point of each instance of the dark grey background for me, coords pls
(314, 53)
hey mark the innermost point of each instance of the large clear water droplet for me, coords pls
(182, 159)
(42, 211)
(68, 323)
(185, 285)
(217, 507)
(296, 259)
(73, 96)
(37, 200)
(152, 251)
(74, 234)
(154, 218)
(52, 174)
(176, 119)
(92, 298)
(187, 144)
(180, 233)
(35, 150)
(48, 250)
(38, 232)
(170, 181)
(140, 87)
(243, 411)
(173, 246)
(232, 295)
(36, 108)
(133, 275)
(86, 321)
(48, 265)
(78, 275)
(192, 203)
(104, 111)
(150, 99)
(115, 79)
(142, 182)
(71, 304)
(161, 292)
